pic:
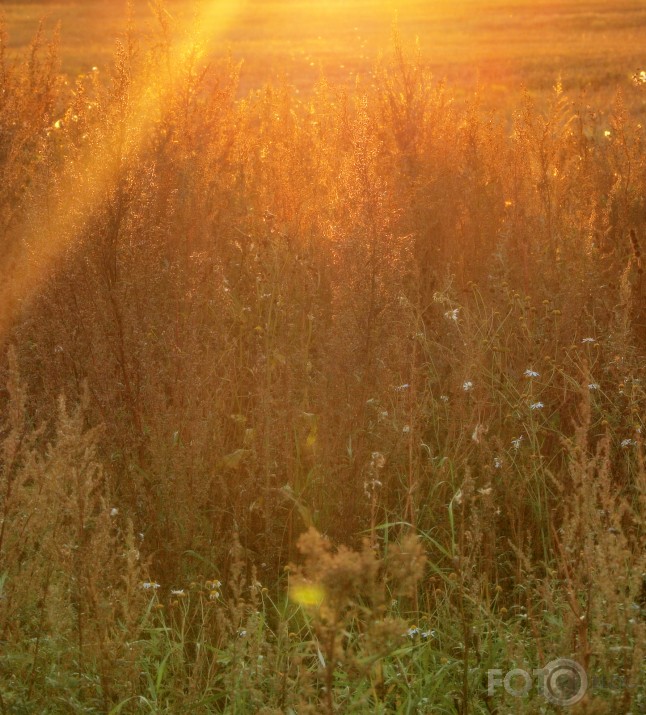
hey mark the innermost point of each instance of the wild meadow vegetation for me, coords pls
(322, 402)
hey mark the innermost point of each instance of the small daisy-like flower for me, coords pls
(179, 592)
(531, 373)
(593, 386)
(452, 314)
(589, 340)
(114, 511)
(536, 406)
(497, 463)
(516, 442)
(625, 443)
(412, 632)
(242, 633)
(401, 388)
(428, 634)
(467, 385)
(148, 585)
(406, 429)
(383, 415)
(444, 398)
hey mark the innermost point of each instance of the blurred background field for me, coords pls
(499, 44)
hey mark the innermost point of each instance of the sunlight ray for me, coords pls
(33, 257)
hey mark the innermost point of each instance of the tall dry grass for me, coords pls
(376, 315)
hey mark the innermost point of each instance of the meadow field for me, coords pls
(323, 357)
(592, 45)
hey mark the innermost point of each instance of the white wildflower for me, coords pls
(467, 385)
(452, 314)
(593, 386)
(148, 585)
(444, 398)
(531, 373)
(401, 388)
(516, 442)
(536, 406)
(377, 462)
(589, 340)
(625, 443)
(497, 463)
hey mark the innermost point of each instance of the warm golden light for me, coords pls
(33, 258)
